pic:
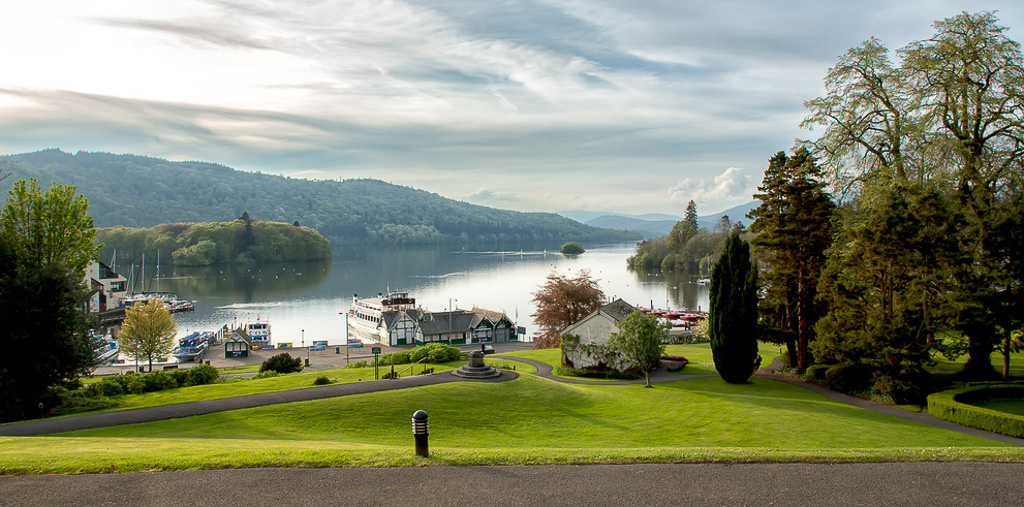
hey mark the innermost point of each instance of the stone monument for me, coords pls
(476, 367)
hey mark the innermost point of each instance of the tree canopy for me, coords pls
(561, 301)
(49, 228)
(640, 341)
(732, 317)
(148, 331)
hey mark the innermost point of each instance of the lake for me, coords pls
(306, 301)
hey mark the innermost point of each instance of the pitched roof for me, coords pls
(617, 309)
(458, 321)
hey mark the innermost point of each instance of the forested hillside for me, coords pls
(138, 191)
(203, 244)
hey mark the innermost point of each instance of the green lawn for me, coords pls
(526, 421)
(1008, 405)
(943, 365)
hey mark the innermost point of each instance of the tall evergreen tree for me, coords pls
(732, 319)
(691, 214)
(794, 230)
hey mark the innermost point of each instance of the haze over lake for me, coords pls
(304, 301)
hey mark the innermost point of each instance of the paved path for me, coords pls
(162, 412)
(544, 370)
(904, 484)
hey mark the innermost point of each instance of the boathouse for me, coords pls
(237, 344)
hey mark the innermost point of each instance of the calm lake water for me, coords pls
(306, 301)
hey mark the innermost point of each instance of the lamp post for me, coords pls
(304, 345)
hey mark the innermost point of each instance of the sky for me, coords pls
(531, 105)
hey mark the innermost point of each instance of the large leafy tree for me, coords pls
(732, 319)
(148, 331)
(45, 335)
(794, 230)
(51, 228)
(45, 245)
(561, 301)
(949, 116)
(640, 341)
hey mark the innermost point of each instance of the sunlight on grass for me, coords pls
(527, 420)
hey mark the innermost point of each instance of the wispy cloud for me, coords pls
(546, 104)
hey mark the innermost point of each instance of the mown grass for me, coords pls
(1008, 405)
(943, 365)
(526, 421)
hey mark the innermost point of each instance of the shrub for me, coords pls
(110, 386)
(954, 406)
(898, 391)
(180, 377)
(158, 381)
(627, 374)
(267, 374)
(322, 380)
(202, 374)
(358, 364)
(388, 374)
(282, 363)
(848, 377)
(674, 363)
(136, 385)
(815, 372)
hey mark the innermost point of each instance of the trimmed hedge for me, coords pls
(955, 406)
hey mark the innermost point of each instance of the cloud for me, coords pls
(494, 199)
(730, 187)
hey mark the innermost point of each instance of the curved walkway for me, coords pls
(162, 412)
(544, 370)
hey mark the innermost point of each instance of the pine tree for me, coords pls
(794, 226)
(732, 318)
(691, 214)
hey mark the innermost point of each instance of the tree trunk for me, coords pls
(1006, 354)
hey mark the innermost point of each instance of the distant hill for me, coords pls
(653, 225)
(139, 191)
(649, 228)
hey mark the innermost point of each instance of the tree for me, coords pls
(148, 331)
(45, 335)
(640, 341)
(949, 117)
(51, 228)
(889, 286)
(691, 215)
(572, 248)
(561, 301)
(732, 318)
(794, 230)
(968, 79)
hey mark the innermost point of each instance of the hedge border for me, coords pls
(955, 406)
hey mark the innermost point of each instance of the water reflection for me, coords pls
(306, 301)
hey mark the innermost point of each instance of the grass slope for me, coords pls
(529, 420)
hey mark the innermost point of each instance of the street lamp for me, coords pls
(304, 345)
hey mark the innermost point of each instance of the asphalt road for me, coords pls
(903, 484)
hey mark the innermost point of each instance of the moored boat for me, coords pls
(192, 347)
(259, 331)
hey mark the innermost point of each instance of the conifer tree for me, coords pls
(732, 318)
(794, 226)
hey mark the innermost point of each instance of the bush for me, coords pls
(202, 374)
(897, 391)
(358, 364)
(110, 386)
(955, 406)
(322, 380)
(135, 385)
(266, 374)
(627, 374)
(282, 363)
(848, 377)
(158, 381)
(815, 372)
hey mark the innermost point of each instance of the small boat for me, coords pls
(259, 331)
(192, 347)
(704, 280)
(106, 349)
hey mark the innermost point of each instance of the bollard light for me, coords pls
(421, 431)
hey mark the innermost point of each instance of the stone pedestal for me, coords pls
(476, 367)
